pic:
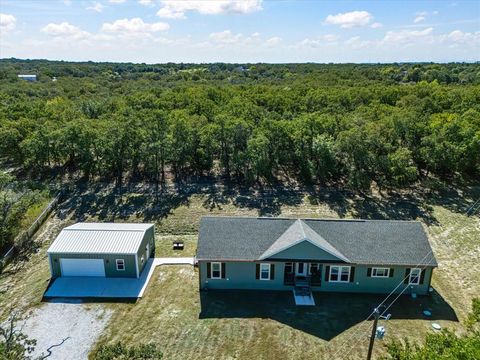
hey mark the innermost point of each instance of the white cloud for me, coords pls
(225, 37)
(327, 39)
(7, 23)
(117, 1)
(419, 19)
(62, 29)
(376, 25)
(406, 35)
(273, 41)
(350, 19)
(134, 27)
(67, 2)
(459, 36)
(148, 3)
(357, 43)
(174, 9)
(96, 6)
(66, 30)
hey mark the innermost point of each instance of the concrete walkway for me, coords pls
(104, 287)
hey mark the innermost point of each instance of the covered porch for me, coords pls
(302, 276)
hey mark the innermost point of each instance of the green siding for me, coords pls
(306, 251)
(241, 275)
(110, 259)
(109, 262)
(149, 238)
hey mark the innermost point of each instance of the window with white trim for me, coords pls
(216, 270)
(120, 264)
(339, 273)
(264, 271)
(380, 272)
(414, 276)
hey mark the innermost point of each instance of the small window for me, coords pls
(264, 271)
(313, 269)
(120, 264)
(216, 270)
(340, 273)
(415, 276)
(380, 272)
(289, 268)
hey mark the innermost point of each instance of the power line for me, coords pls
(401, 282)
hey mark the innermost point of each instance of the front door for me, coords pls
(301, 269)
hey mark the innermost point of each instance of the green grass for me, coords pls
(186, 324)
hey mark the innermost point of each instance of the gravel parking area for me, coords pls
(79, 323)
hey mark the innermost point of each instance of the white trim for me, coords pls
(123, 263)
(418, 276)
(269, 271)
(263, 257)
(340, 268)
(136, 264)
(375, 269)
(310, 267)
(305, 269)
(219, 270)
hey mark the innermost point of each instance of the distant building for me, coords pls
(28, 77)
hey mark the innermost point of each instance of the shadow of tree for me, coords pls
(105, 202)
(333, 313)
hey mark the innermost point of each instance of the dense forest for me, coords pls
(347, 125)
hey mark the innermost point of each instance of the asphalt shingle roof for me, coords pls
(376, 242)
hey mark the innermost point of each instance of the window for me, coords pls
(414, 276)
(313, 269)
(120, 264)
(289, 268)
(380, 272)
(216, 270)
(264, 271)
(340, 273)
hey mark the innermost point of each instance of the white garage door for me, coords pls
(82, 267)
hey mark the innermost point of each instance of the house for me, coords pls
(367, 256)
(102, 250)
(28, 77)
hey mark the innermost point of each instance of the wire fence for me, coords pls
(25, 237)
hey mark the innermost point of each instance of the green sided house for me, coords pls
(102, 250)
(370, 256)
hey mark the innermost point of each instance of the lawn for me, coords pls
(188, 324)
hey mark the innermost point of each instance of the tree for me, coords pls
(14, 344)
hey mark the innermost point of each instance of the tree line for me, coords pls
(314, 124)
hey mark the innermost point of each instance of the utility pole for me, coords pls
(376, 313)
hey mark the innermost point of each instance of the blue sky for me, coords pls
(155, 31)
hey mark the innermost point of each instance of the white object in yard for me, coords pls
(427, 313)
(387, 317)
(414, 295)
(304, 300)
(82, 267)
(436, 326)
(380, 333)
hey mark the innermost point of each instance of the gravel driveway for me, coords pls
(54, 321)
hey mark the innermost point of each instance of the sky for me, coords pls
(238, 31)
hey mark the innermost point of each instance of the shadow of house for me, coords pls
(333, 314)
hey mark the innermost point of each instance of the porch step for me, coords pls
(303, 300)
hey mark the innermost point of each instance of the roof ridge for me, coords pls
(308, 219)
